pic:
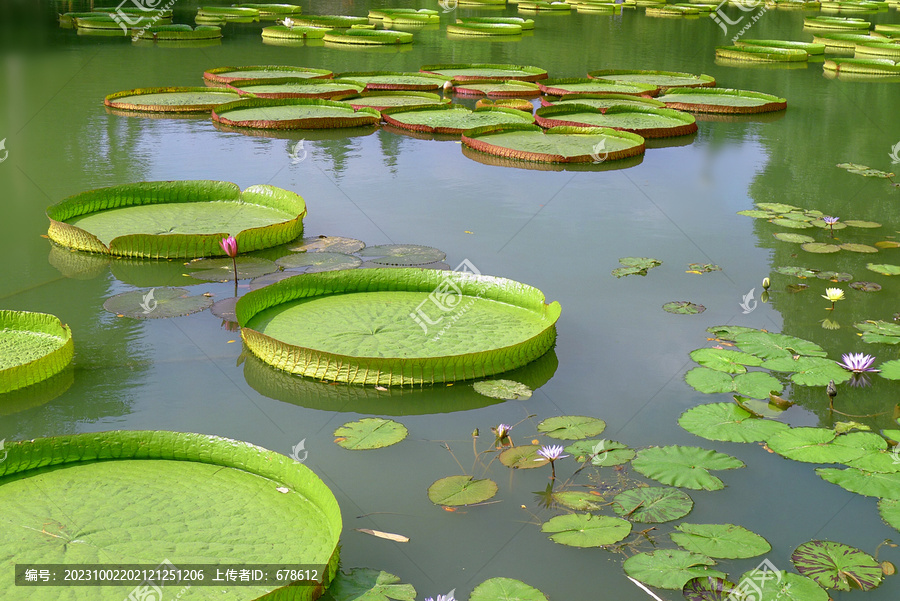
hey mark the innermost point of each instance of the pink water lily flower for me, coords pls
(229, 245)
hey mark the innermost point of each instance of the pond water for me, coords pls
(618, 355)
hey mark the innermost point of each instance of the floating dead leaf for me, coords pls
(397, 538)
(888, 568)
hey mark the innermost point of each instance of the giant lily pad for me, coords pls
(292, 113)
(393, 80)
(644, 121)
(176, 219)
(366, 584)
(720, 540)
(583, 85)
(451, 118)
(333, 21)
(370, 433)
(837, 566)
(170, 100)
(571, 427)
(295, 87)
(763, 54)
(669, 568)
(484, 29)
(397, 326)
(497, 88)
(664, 80)
(653, 504)
(505, 589)
(555, 145)
(33, 347)
(157, 303)
(754, 384)
(686, 467)
(369, 37)
(469, 72)
(603, 101)
(380, 100)
(586, 530)
(100, 493)
(223, 75)
(461, 490)
(870, 484)
(298, 32)
(727, 421)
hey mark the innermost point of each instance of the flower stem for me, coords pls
(234, 264)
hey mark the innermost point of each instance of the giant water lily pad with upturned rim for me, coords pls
(106, 488)
(525, 24)
(33, 347)
(809, 47)
(383, 99)
(484, 29)
(473, 71)
(170, 100)
(293, 113)
(870, 66)
(222, 75)
(451, 118)
(177, 219)
(497, 88)
(646, 122)
(369, 37)
(602, 101)
(299, 32)
(664, 80)
(332, 21)
(397, 326)
(294, 87)
(584, 85)
(395, 80)
(761, 54)
(555, 145)
(162, 33)
(722, 100)
(836, 24)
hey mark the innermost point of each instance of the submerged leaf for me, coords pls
(222, 270)
(653, 504)
(683, 308)
(329, 244)
(836, 565)
(684, 466)
(461, 490)
(586, 530)
(571, 427)
(865, 286)
(726, 541)
(669, 568)
(503, 389)
(157, 303)
(370, 433)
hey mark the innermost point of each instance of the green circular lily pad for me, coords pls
(370, 433)
(584, 85)
(727, 421)
(578, 500)
(858, 248)
(890, 512)
(664, 80)
(653, 504)
(732, 362)
(571, 427)
(506, 589)
(497, 88)
(402, 254)
(391, 80)
(295, 87)
(222, 270)
(503, 389)
(296, 32)
(755, 384)
(726, 541)
(33, 348)
(808, 47)
(683, 308)
(313, 262)
(451, 118)
(686, 467)
(586, 530)
(836, 23)
(473, 71)
(862, 224)
(335, 244)
(176, 219)
(821, 445)
(333, 21)
(791, 237)
(522, 457)
(461, 490)
(884, 269)
(484, 29)
(369, 37)
(386, 99)
(722, 100)
(170, 100)
(223, 75)
(646, 122)
(669, 568)
(761, 54)
(603, 101)
(837, 566)
(158, 303)
(293, 113)
(555, 145)
(398, 326)
(601, 452)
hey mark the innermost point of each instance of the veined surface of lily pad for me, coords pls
(555, 145)
(778, 585)
(407, 255)
(768, 345)
(469, 72)
(721, 100)
(176, 219)
(669, 568)
(33, 347)
(727, 541)
(836, 565)
(602, 101)
(484, 29)
(583, 85)
(884, 269)
(222, 270)
(451, 118)
(662, 79)
(890, 369)
(809, 371)
(601, 452)
(522, 457)
(391, 80)
(497, 88)
(821, 445)
(727, 421)
(157, 303)
(461, 490)
(644, 121)
(170, 100)
(791, 237)
(503, 389)
(293, 113)
(369, 585)
(397, 326)
(369, 37)
(635, 266)
(313, 262)
(571, 427)
(106, 487)
(879, 331)
(586, 530)
(295, 87)
(686, 467)
(330, 244)
(870, 484)
(578, 500)
(683, 308)
(729, 332)
(729, 361)
(865, 286)
(223, 75)
(380, 100)
(653, 504)
(506, 589)
(754, 384)
(370, 433)
(710, 588)
(761, 54)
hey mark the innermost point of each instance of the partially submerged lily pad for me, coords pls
(314, 262)
(571, 427)
(635, 266)
(837, 566)
(366, 584)
(687, 467)
(469, 72)
(586, 530)
(33, 347)
(408, 255)
(778, 585)
(726, 541)
(653, 504)
(505, 589)
(157, 303)
(329, 243)
(503, 389)
(683, 308)
(669, 568)
(370, 433)
(461, 490)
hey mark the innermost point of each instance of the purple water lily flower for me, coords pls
(830, 221)
(857, 363)
(551, 452)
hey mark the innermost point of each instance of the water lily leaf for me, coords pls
(866, 286)
(224, 309)
(157, 303)
(792, 223)
(729, 332)
(366, 584)
(314, 262)
(883, 268)
(777, 207)
(833, 226)
(683, 308)
(795, 238)
(879, 331)
(820, 247)
(222, 270)
(586, 530)
(834, 276)
(890, 369)
(502, 389)
(756, 214)
(684, 466)
(755, 384)
(771, 346)
(859, 223)
(571, 427)
(798, 272)
(727, 421)
(778, 585)
(653, 504)
(727, 541)
(604, 452)
(669, 568)
(888, 244)
(836, 565)
(798, 216)
(328, 243)
(635, 266)
(709, 588)
(271, 278)
(461, 490)
(890, 512)
(859, 248)
(578, 500)
(883, 461)
(852, 166)
(731, 362)
(809, 371)
(402, 254)
(702, 268)
(621, 272)
(522, 457)
(870, 484)
(370, 433)
(820, 445)
(506, 589)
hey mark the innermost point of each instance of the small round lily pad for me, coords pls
(683, 308)
(653, 504)
(522, 457)
(586, 530)
(222, 270)
(157, 303)
(370, 433)
(461, 490)
(571, 427)
(314, 262)
(503, 389)
(330, 244)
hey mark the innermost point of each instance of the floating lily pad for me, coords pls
(369, 37)
(222, 75)
(497, 88)
(669, 568)
(702, 268)
(863, 224)
(778, 585)
(865, 286)
(381, 100)
(505, 589)
(837, 566)
(402, 254)
(729, 332)
(366, 584)
(888, 244)
(644, 121)
(555, 145)
(370, 433)
(684, 466)
(777, 207)
(722, 100)
(879, 331)
(222, 270)
(583, 85)
(890, 512)
(795, 238)
(768, 345)
(792, 223)
(653, 504)
(827, 226)
(157, 303)
(170, 100)
(224, 309)
(578, 500)
(295, 87)
(635, 266)
(727, 421)
(335, 244)
(710, 588)
(821, 445)
(883, 461)
(799, 272)
(858, 248)
(820, 247)
(176, 219)
(469, 72)
(503, 389)
(761, 54)
(809, 371)
(603, 100)
(601, 452)
(33, 347)
(757, 214)
(461, 490)
(870, 484)
(754, 384)
(314, 262)
(293, 113)
(732, 362)
(890, 369)
(665, 80)
(726, 541)
(794, 288)
(391, 80)
(451, 118)
(884, 269)
(586, 530)
(522, 457)
(571, 427)
(683, 308)
(834, 276)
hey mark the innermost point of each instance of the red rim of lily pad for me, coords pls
(520, 89)
(530, 73)
(701, 81)
(245, 87)
(354, 117)
(388, 117)
(772, 104)
(113, 101)
(549, 87)
(554, 116)
(217, 75)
